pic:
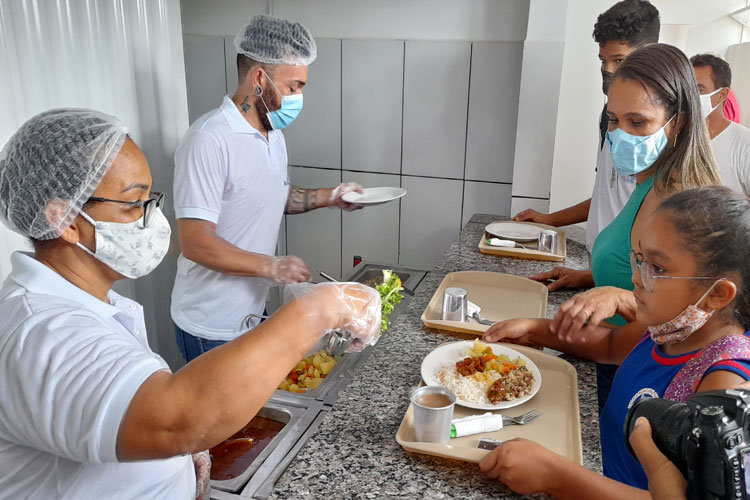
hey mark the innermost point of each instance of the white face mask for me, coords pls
(706, 107)
(130, 249)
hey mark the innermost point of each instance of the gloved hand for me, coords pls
(202, 464)
(354, 308)
(339, 191)
(285, 270)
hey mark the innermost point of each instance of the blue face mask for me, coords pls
(291, 105)
(632, 154)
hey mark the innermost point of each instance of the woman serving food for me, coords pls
(87, 410)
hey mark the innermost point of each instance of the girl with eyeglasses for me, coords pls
(691, 282)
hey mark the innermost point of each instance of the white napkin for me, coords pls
(472, 308)
(476, 424)
(497, 242)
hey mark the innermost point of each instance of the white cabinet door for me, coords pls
(430, 219)
(230, 54)
(485, 198)
(371, 95)
(314, 139)
(315, 236)
(371, 232)
(204, 73)
(493, 111)
(436, 93)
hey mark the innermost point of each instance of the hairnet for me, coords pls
(272, 40)
(61, 154)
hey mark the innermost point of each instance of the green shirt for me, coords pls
(610, 257)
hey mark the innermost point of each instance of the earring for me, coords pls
(257, 90)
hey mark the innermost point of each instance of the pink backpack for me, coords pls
(687, 380)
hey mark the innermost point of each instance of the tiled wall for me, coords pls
(435, 117)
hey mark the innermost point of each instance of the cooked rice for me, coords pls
(473, 388)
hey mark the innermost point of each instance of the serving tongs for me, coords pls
(334, 341)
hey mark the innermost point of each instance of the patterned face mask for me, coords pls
(684, 324)
(131, 249)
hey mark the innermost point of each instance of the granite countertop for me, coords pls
(354, 454)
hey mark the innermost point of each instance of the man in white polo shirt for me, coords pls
(730, 140)
(231, 188)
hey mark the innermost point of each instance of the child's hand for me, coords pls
(523, 466)
(517, 331)
(563, 277)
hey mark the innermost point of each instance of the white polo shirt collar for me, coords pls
(239, 124)
(38, 278)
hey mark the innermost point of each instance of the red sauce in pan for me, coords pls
(230, 458)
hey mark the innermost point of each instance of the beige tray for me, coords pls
(558, 429)
(522, 253)
(501, 296)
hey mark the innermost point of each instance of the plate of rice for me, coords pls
(483, 376)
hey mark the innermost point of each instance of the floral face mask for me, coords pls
(684, 324)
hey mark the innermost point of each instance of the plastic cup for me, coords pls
(455, 304)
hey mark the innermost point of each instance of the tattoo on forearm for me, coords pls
(245, 106)
(301, 200)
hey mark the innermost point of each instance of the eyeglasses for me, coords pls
(149, 206)
(649, 274)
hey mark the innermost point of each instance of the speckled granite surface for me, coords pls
(354, 454)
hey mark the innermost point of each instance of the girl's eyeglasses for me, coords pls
(149, 206)
(649, 274)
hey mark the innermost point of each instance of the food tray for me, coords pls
(501, 296)
(558, 429)
(523, 253)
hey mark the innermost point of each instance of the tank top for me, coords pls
(610, 259)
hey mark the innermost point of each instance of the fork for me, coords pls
(526, 418)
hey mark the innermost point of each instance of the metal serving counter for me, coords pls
(307, 410)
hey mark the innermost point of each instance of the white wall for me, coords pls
(479, 20)
(581, 102)
(693, 25)
(738, 56)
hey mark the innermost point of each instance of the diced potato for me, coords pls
(317, 359)
(284, 386)
(293, 388)
(316, 373)
(301, 365)
(326, 367)
(313, 383)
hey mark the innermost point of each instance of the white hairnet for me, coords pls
(272, 40)
(61, 154)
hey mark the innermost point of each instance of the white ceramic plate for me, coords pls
(456, 351)
(514, 231)
(374, 196)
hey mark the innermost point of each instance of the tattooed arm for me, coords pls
(301, 200)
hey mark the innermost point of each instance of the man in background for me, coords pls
(231, 189)
(730, 140)
(620, 30)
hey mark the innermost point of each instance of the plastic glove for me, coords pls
(202, 464)
(286, 270)
(355, 308)
(336, 199)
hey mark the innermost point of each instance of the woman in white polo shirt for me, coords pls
(87, 410)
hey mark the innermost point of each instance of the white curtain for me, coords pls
(122, 57)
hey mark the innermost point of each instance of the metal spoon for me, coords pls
(481, 320)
